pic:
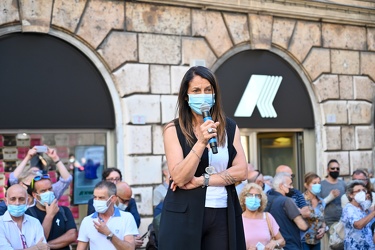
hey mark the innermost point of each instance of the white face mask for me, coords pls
(360, 197)
(122, 206)
(101, 206)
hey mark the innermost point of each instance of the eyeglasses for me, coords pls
(113, 179)
(364, 190)
(123, 200)
(38, 178)
(333, 169)
(254, 195)
(23, 239)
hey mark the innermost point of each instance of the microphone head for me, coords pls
(205, 107)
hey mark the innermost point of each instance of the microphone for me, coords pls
(205, 109)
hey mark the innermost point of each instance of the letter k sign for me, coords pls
(260, 91)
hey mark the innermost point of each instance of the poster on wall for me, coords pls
(92, 159)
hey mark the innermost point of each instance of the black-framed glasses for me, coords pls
(254, 195)
(123, 200)
(23, 239)
(364, 190)
(38, 178)
(113, 179)
(333, 169)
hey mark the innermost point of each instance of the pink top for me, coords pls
(256, 230)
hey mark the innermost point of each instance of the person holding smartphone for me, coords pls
(23, 175)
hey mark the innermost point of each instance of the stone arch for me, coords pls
(100, 67)
(316, 110)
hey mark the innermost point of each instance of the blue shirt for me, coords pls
(356, 238)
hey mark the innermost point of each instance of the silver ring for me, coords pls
(210, 130)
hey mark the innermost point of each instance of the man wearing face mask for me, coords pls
(332, 186)
(58, 223)
(18, 230)
(108, 227)
(295, 194)
(285, 211)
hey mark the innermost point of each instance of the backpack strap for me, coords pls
(62, 211)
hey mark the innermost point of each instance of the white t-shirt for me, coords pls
(10, 235)
(216, 197)
(121, 224)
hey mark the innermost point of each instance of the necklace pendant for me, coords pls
(210, 170)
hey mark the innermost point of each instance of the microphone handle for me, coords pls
(212, 141)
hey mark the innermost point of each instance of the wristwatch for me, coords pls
(110, 236)
(206, 180)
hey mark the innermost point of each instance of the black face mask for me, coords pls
(291, 192)
(334, 175)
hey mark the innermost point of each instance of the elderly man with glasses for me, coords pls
(17, 230)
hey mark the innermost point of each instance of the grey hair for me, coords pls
(279, 178)
(350, 187)
(112, 190)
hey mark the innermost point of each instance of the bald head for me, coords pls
(16, 194)
(284, 169)
(123, 190)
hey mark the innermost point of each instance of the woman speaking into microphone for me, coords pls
(201, 210)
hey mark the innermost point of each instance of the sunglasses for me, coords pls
(333, 169)
(38, 178)
(123, 200)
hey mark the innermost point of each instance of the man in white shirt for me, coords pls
(17, 229)
(108, 228)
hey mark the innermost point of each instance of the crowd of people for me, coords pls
(210, 198)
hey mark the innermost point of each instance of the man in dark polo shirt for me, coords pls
(58, 223)
(285, 211)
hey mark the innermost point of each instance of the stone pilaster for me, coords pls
(138, 139)
(367, 64)
(332, 138)
(160, 79)
(334, 112)
(347, 137)
(364, 137)
(346, 87)
(147, 106)
(363, 88)
(361, 159)
(345, 62)
(359, 112)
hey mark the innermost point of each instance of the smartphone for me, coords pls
(41, 149)
(143, 236)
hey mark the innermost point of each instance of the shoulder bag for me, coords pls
(271, 231)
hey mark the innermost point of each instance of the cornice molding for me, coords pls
(353, 12)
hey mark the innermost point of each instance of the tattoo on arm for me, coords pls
(229, 180)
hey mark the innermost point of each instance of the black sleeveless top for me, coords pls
(182, 215)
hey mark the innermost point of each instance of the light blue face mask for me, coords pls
(196, 101)
(316, 188)
(46, 197)
(17, 210)
(252, 203)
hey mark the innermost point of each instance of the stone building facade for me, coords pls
(143, 48)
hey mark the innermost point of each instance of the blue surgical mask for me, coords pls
(46, 197)
(252, 203)
(122, 206)
(316, 188)
(17, 210)
(196, 100)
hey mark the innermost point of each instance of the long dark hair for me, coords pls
(185, 116)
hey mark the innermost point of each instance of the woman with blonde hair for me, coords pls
(261, 229)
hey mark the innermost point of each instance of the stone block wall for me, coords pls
(147, 47)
